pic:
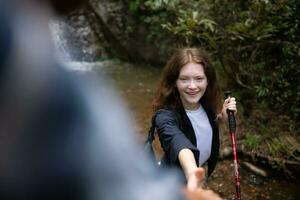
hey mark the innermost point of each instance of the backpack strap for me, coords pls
(151, 130)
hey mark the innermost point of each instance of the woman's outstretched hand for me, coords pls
(195, 179)
(194, 190)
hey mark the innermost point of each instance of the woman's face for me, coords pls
(191, 85)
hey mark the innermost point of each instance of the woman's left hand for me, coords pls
(230, 104)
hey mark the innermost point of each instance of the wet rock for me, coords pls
(254, 179)
(225, 152)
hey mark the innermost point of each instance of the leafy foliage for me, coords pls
(255, 43)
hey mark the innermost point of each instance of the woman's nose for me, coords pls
(192, 84)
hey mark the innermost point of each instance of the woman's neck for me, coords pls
(192, 107)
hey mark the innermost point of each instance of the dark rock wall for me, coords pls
(106, 29)
(82, 41)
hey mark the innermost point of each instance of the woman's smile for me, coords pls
(192, 93)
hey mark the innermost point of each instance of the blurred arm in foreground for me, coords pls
(63, 135)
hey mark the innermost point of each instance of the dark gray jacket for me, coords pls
(175, 133)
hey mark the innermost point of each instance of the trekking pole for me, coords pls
(232, 129)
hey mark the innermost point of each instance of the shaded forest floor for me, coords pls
(269, 176)
(270, 140)
(253, 186)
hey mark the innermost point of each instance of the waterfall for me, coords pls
(65, 50)
(62, 50)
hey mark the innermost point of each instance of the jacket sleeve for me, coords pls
(172, 139)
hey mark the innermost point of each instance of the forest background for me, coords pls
(255, 46)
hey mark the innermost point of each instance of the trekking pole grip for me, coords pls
(230, 113)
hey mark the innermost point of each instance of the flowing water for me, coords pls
(136, 85)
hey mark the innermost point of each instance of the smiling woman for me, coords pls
(186, 107)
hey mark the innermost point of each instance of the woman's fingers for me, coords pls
(230, 100)
(230, 103)
(195, 180)
(200, 176)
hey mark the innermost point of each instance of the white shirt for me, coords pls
(203, 132)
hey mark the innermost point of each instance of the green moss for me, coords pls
(252, 141)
